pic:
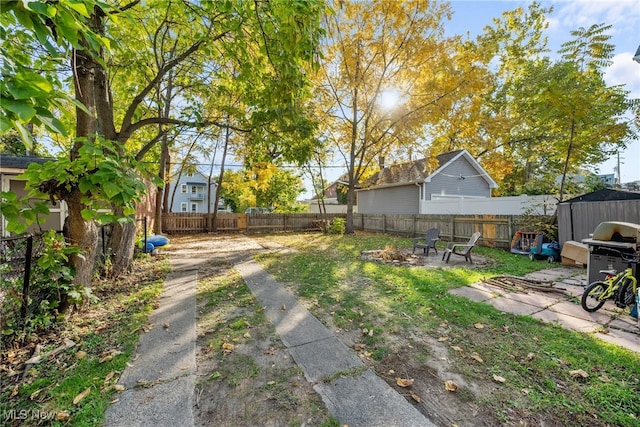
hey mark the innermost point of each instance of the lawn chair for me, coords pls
(461, 249)
(429, 241)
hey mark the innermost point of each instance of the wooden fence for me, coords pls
(497, 230)
(176, 223)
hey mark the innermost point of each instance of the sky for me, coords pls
(471, 16)
(624, 15)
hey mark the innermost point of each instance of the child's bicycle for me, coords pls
(620, 287)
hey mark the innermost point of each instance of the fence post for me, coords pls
(27, 277)
(452, 224)
(144, 223)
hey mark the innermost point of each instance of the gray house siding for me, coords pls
(457, 179)
(391, 200)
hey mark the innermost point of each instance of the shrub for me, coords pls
(337, 226)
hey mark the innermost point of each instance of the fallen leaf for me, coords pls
(530, 356)
(478, 325)
(450, 386)
(414, 396)
(283, 308)
(604, 379)
(443, 339)
(109, 376)
(477, 358)
(525, 391)
(271, 383)
(35, 394)
(118, 387)
(404, 382)
(81, 354)
(62, 416)
(391, 372)
(227, 347)
(456, 348)
(247, 335)
(14, 392)
(359, 346)
(498, 378)
(578, 373)
(81, 396)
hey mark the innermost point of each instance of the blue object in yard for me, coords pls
(548, 251)
(157, 240)
(153, 242)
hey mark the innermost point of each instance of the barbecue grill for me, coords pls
(609, 239)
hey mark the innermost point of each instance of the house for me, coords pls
(334, 197)
(409, 187)
(191, 194)
(10, 168)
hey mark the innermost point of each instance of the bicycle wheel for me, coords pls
(591, 296)
(626, 294)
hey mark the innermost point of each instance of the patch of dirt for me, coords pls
(405, 257)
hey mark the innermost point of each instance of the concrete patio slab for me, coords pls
(533, 298)
(625, 323)
(625, 339)
(568, 322)
(495, 290)
(575, 310)
(571, 290)
(512, 306)
(472, 293)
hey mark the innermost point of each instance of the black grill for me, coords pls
(609, 240)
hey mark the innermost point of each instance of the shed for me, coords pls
(10, 169)
(579, 216)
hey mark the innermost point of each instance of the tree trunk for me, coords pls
(84, 235)
(220, 178)
(160, 197)
(122, 242)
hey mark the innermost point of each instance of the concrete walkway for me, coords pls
(354, 395)
(609, 324)
(160, 378)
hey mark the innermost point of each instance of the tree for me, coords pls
(272, 44)
(380, 50)
(264, 185)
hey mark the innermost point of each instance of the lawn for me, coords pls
(512, 369)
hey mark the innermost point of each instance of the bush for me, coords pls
(337, 226)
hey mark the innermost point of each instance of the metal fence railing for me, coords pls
(17, 256)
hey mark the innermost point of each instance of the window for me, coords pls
(194, 189)
(183, 206)
(194, 207)
(183, 188)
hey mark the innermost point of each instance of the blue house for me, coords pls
(192, 194)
